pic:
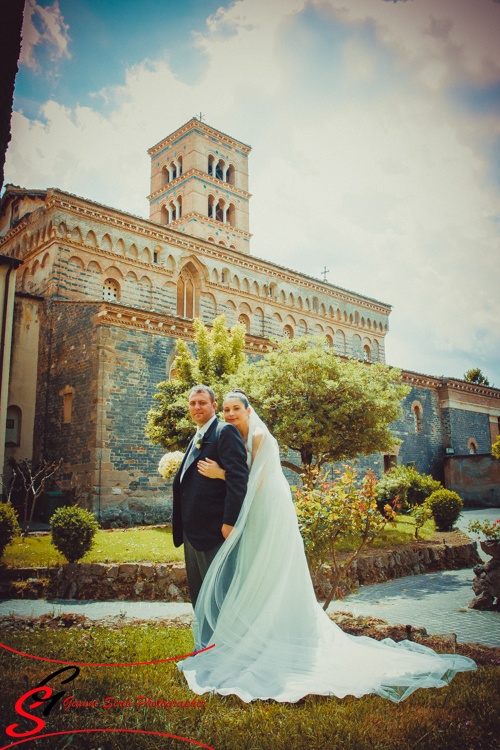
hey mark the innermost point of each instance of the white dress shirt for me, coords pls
(199, 434)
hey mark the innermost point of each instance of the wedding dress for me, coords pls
(272, 638)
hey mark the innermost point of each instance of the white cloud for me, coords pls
(447, 40)
(54, 33)
(392, 192)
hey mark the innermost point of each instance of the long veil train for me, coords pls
(272, 638)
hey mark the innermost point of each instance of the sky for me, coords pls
(374, 124)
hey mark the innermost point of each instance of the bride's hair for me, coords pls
(240, 395)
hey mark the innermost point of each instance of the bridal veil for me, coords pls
(272, 638)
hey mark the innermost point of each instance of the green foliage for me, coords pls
(73, 532)
(404, 487)
(219, 357)
(495, 448)
(476, 376)
(446, 507)
(489, 530)
(9, 527)
(421, 514)
(329, 512)
(326, 409)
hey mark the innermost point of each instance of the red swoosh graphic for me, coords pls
(78, 731)
(127, 664)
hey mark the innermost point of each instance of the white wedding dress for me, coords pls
(272, 638)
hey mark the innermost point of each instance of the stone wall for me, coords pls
(475, 478)
(168, 582)
(459, 426)
(416, 559)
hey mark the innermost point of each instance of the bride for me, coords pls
(257, 605)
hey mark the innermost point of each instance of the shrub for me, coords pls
(9, 527)
(406, 485)
(446, 507)
(73, 532)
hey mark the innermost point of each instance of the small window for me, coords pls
(472, 446)
(13, 426)
(245, 320)
(367, 355)
(111, 291)
(417, 413)
(288, 332)
(390, 461)
(155, 257)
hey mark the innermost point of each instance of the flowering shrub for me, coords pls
(490, 530)
(169, 464)
(331, 511)
(407, 485)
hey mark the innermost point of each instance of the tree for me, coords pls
(219, 356)
(326, 409)
(495, 448)
(33, 479)
(476, 376)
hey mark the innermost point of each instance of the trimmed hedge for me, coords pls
(73, 532)
(9, 528)
(446, 507)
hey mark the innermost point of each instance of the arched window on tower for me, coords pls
(245, 320)
(185, 295)
(288, 332)
(219, 167)
(417, 413)
(111, 290)
(367, 355)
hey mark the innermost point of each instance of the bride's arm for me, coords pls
(211, 469)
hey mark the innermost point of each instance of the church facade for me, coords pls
(103, 295)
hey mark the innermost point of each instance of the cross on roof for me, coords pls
(324, 272)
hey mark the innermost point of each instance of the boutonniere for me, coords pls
(199, 443)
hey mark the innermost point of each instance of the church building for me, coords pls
(103, 295)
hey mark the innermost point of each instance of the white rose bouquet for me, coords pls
(169, 464)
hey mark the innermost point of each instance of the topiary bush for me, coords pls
(73, 532)
(9, 528)
(446, 507)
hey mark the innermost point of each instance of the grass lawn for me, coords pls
(461, 716)
(156, 545)
(123, 545)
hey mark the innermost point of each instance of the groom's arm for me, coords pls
(233, 459)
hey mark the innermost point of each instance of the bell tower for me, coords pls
(199, 185)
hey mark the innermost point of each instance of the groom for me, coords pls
(205, 510)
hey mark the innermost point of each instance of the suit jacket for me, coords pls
(202, 505)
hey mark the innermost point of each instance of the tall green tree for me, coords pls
(219, 356)
(324, 408)
(313, 402)
(476, 376)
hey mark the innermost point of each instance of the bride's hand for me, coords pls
(211, 469)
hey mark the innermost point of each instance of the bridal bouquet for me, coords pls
(169, 464)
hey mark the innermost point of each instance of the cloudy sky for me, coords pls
(375, 128)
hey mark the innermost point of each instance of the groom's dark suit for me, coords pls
(202, 505)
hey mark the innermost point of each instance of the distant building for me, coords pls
(103, 295)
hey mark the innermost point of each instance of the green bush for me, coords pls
(9, 527)
(73, 532)
(446, 507)
(407, 485)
